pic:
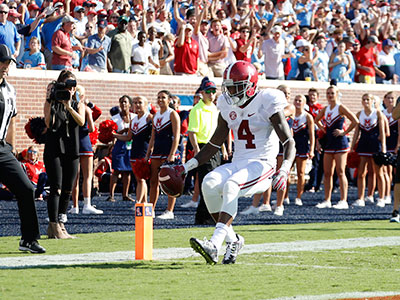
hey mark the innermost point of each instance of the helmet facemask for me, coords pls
(238, 92)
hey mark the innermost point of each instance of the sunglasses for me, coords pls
(12, 7)
(3, 12)
(32, 151)
(245, 31)
(90, 27)
(211, 91)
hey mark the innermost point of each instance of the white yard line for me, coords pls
(340, 296)
(179, 253)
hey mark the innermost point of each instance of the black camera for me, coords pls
(60, 92)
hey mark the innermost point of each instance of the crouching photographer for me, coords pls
(64, 113)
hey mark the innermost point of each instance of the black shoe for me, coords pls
(32, 247)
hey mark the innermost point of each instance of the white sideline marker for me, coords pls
(39, 260)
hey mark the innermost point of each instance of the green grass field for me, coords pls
(258, 275)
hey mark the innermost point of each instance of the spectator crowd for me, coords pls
(344, 41)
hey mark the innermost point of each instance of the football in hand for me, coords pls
(172, 179)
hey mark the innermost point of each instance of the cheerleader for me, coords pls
(337, 146)
(371, 138)
(85, 159)
(303, 134)
(122, 150)
(163, 147)
(392, 141)
(139, 133)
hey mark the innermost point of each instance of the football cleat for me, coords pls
(232, 250)
(206, 249)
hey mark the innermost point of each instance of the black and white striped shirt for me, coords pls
(8, 107)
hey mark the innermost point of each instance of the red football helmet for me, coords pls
(240, 82)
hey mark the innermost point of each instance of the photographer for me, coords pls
(63, 116)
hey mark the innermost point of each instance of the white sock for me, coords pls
(231, 235)
(220, 232)
(86, 201)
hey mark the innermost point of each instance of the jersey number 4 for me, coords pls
(244, 133)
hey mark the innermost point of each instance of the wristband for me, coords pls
(287, 140)
(286, 166)
(191, 164)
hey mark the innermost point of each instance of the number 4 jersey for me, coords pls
(254, 136)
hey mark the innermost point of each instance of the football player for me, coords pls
(258, 123)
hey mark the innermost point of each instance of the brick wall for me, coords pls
(105, 89)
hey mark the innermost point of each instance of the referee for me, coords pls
(11, 173)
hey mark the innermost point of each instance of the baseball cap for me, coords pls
(276, 29)
(89, 4)
(67, 19)
(150, 9)
(204, 21)
(123, 18)
(207, 84)
(138, 7)
(33, 6)
(387, 42)
(262, 3)
(331, 28)
(5, 54)
(58, 4)
(102, 23)
(102, 12)
(92, 12)
(189, 26)
(373, 39)
(302, 43)
(349, 39)
(14, 13)
(49, 10)
(78, 8)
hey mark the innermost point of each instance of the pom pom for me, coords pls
(320, 134)
(28, 129)
(189, 154)
(141, 168)
(353, 160)
(36, 129)
(94, 136)
(106, 129)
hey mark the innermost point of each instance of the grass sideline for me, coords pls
(255, 276)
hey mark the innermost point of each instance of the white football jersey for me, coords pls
(253, 133)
